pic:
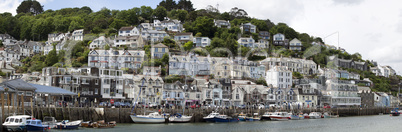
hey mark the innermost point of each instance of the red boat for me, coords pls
(306, 116)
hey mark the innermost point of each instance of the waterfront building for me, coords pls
(279, 77)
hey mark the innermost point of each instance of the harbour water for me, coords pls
(358, 123)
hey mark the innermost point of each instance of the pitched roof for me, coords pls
(51, 90)
(160, 45)
(126, 28)
(182, 34)
(18, 84)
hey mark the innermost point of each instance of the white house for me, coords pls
(78, 35)
(183, 37)
(279, 76)
(153, 35)
(340, 93)
(128, 31)
(131, 59)
(248, 27)
(201, 41)
(133, 41)
(295, 45)
(158, 50)
(100, 43)
(169, 25)
(246, 42)
(222, 23)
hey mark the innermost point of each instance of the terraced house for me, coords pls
(131, 59)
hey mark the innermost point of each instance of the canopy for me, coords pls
(51, 90)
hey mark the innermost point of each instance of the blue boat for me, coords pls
(68, 125)
(36, 125)
(216, 117)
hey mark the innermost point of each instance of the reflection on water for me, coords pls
(362, 123)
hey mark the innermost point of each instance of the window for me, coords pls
(237, 96)
(198, 96)
(96, 91)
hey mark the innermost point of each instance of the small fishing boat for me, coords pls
(216, 117)
(102, 124)
(266, 116)
(36, 125)
(326, 115)
(154, 117)
(50, 121)
(280, 116)
(87, 124)
(306, 116)
(242, 117)
(16, 123)
(295, 116)
(66, 124)
(178, 118)
(314, 115)
(395, 112)
(255, 117)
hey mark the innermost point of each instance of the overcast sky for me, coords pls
(370, 27)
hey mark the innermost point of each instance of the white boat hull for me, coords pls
(181, 119)
(315, 117)
(145, 119)
(279, 118)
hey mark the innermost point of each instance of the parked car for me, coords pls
(104, 104)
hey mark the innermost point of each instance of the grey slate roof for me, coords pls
(19, 84)
(51, 90)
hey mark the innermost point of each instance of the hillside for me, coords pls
(37, 25)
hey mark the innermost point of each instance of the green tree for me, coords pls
(165, 59)
(117, 24)
(203, 25)
(30, 6)
(297, 75)
(181, 15)
(51, 57)
(187, 46)
(185, 5)
(167, 4)
(146, 12)
(107, 47)
(160, 13)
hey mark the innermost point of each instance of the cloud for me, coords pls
(275, 10)
(9, 6)
(348, 2)
(12, 5)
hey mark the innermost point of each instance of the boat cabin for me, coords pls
(17, 119)
(34, 122)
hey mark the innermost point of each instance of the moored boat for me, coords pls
(266, 116)
(326, 115)
(216, 117)
(178, 118)
(395, 112)
(242, 117)
(255, 117)
(314, 115)
(306, 116)
(154, 117)
(102, 124)
(50, 121)
(66, 124)
(16, 123)
(36, 125)
(295, 116)
(280, 116)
